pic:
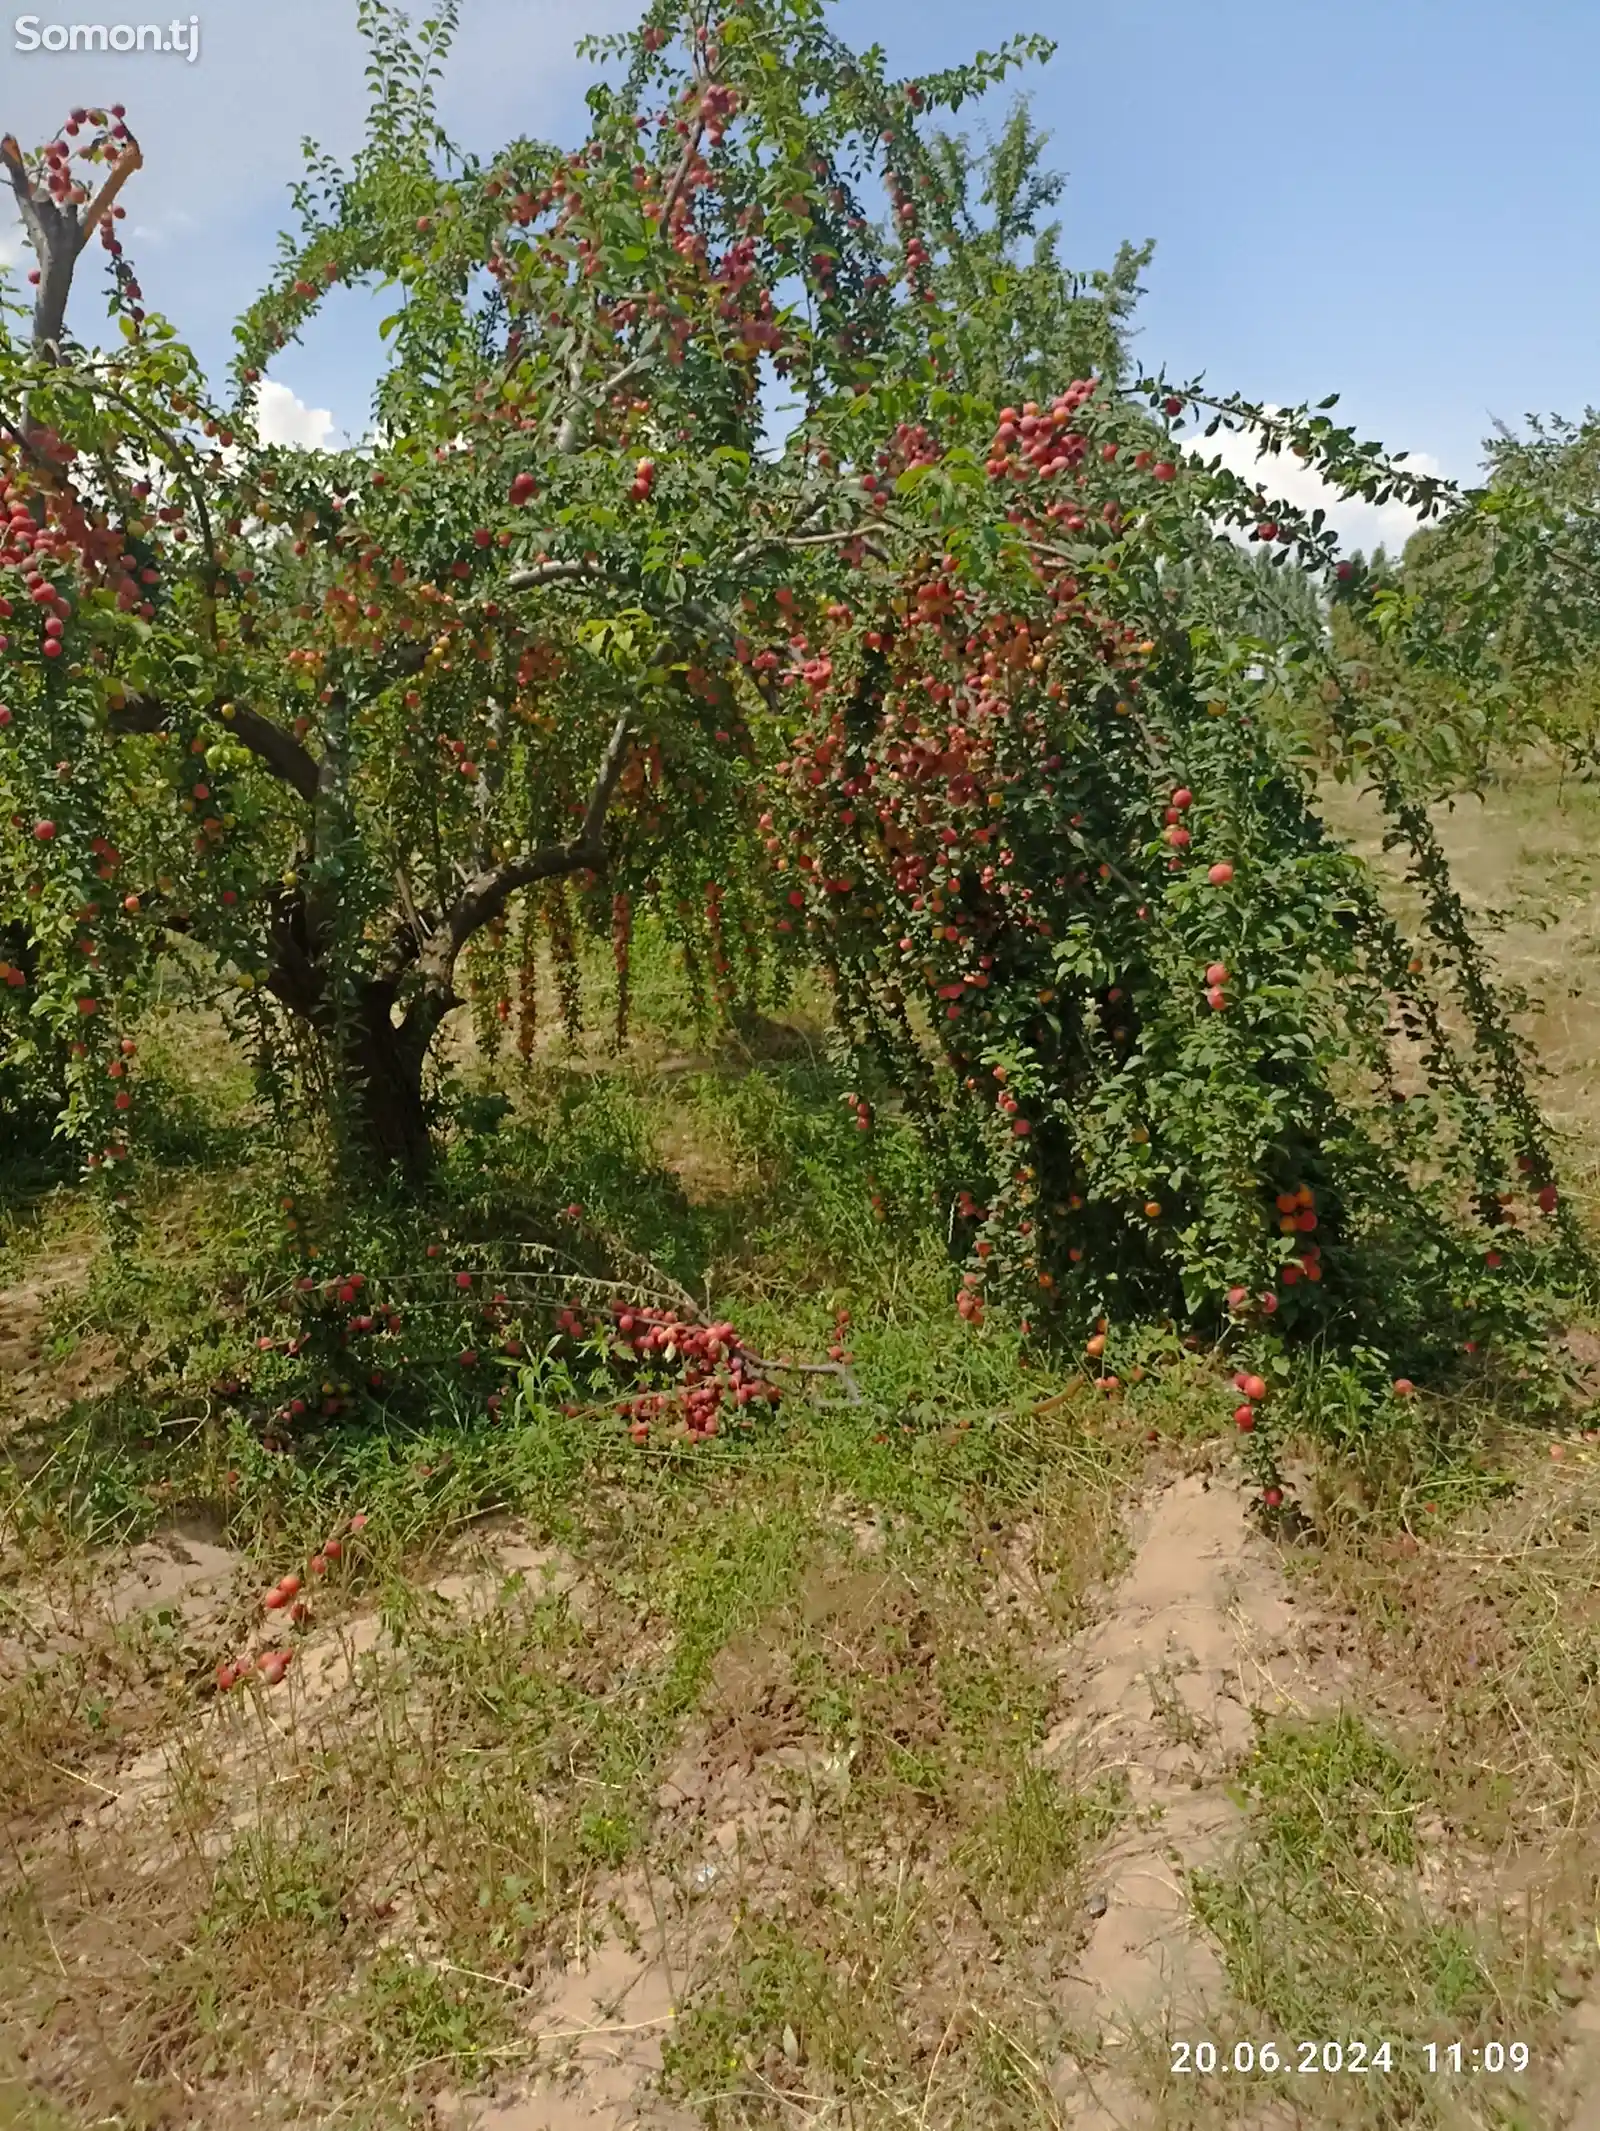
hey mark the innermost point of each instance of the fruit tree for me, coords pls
(343, 721)
(948, 687)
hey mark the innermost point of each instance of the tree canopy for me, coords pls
(759, 523)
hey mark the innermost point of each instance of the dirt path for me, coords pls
(597, 2038)
(1200, 1631)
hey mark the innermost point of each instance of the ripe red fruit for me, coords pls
(522, 489)
(288, 1585)
(1272, 1497)
(333, 1548)
(275, 1600)
(1548, 1198)
(1404, 1387)
(1238, 1297)
(1220, 874)
(1183, 798)
(1164, 470)
(1245, 1416)
(44, 830)
(1216, 998)
(1217, 973)
(1252, 1386)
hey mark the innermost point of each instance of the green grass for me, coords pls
(1325, 1929)
(853, 1623)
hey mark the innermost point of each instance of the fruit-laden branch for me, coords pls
(57, 233)
(279, 750)
(486, 895)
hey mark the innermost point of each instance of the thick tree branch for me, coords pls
(554, 573)
(279, 750)
(105, 199)
(58, 236)
(571, 432)
(411, 933)
(486, 895)
(782, 542)
(55, 246)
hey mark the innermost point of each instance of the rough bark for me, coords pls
(381, 1068)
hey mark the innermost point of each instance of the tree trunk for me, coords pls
(382, 1069)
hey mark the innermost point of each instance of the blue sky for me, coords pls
(1392, 199)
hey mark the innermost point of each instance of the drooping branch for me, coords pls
(90, 376)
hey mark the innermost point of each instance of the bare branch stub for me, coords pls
(58, 233)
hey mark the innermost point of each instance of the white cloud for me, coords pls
(164, 229)
(1357, 524)
(283, 418)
